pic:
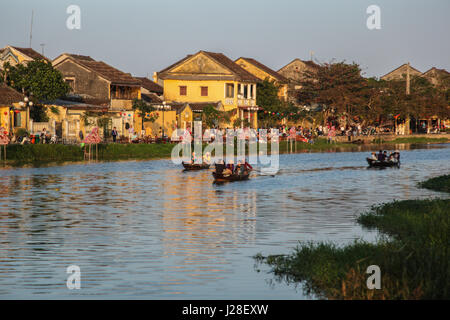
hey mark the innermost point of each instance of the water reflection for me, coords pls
(146, 229)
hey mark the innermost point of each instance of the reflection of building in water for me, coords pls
(200, 222)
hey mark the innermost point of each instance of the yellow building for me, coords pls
(16, 55)
(263, 72)
(211, 78)
(13, 116)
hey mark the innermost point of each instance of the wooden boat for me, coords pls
(195, 166)
(382, 164)
(233, 177)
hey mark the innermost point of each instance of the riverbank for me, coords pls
(413, 254)
(31, 153)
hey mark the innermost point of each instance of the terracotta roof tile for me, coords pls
(8, 95)
(150, 85)
(266, 69)
(31, 53)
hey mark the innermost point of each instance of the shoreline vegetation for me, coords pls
(413, 254)
(44, 153)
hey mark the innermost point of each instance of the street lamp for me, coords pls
(163, 107)
(27, 104)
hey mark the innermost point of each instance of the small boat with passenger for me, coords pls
(230, 173)
(195, 166)
(382, 160)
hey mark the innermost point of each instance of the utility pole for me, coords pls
(408, 80)
(31, 28)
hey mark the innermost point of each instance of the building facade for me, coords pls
(211, 78)
(263, 72)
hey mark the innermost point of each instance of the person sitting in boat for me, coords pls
(227, 172)
(373, 156)
(230, 165)
(385, 156)
(380, 155)
(220, 167)
(237, 169)
(247, 166)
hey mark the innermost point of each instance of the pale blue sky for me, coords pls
(145, 36)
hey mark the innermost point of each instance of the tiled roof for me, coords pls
(31, 53)
(105, 70)
(9, 96)
(266, 69)
(150, 85)
(150, 98)
(199, 106)
(220, 58)
(234, 67)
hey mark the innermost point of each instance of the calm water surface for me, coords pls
(147, 230)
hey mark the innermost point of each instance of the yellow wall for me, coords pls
(216, 92)
(261, 74)
(153, 128)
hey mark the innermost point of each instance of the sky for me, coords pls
(140, 37)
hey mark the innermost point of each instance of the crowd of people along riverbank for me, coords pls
(413, 255)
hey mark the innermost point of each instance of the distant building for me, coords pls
(99, 84)
(12, 115)
(437, 76)
(151, 92)
(401, 72)
(16, 55)
(296, 71)
(208, 78)
(263, 72)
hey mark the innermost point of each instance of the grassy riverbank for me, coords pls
(57, 152)
(413, 255)
(411, 140)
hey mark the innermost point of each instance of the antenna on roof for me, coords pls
(311, 53)
(31, 28)
(43, 45)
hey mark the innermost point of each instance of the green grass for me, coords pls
(441, 183)
(412, 140)
(57, 152)
(413, 255)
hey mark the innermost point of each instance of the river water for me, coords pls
(145, 229)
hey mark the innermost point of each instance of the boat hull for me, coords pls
(195, 166)
(382, 164)
(230, 178)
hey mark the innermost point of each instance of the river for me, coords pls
(145, 229)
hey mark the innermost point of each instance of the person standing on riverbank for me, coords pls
(114, 134)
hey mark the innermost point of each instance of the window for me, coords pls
(71, 83)
(204, 91)
(183, 90)
(17, 119)
(229, 90)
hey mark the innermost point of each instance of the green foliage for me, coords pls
(145, 111)
(441, 183)
(212, 117)
(37, 79)
(414, 255)
(39, 113)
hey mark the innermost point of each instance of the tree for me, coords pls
(37, 79)
(211, 116)
(274, 108)
(145, 111)
(339, 86)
